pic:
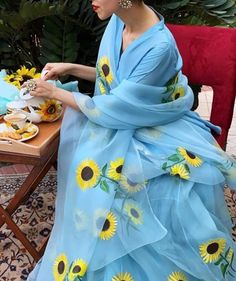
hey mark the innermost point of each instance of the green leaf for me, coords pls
(104, 186)
(219, 261)
(187, 168)
(174, 158)
(164, 166)
(104, 169)
(223, 268)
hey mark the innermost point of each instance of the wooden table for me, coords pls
(41, 152)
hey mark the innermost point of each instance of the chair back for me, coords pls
(209, 58)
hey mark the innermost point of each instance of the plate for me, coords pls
(30, 132)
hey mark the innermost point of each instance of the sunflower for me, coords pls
(190, 157)
(115, 169)
(177, 276)
(101, 87)
(25, 74)
(178, 93)
(50, 110)
(12, 79)
(105, 225)
(130, 185)
(60, 267)
(123, 276)
(134, 213)
(77, 269)
(87, 174)
(104, 69)
(179, 170)
(211, 250)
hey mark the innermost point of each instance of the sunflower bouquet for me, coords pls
(21, 75)
(10, 84)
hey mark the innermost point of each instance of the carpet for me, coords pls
(35, 218)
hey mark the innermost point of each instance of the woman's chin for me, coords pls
(102, 16)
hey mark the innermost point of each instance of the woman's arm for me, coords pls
(54, 70)
(83, 72)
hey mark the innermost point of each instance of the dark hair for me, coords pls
(137, 1)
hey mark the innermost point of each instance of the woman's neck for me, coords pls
(137, 19)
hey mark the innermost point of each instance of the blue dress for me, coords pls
(140, 178)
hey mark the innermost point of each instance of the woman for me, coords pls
(140, 178)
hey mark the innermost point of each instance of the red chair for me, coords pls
(209, 58)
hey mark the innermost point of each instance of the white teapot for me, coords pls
(40, 109)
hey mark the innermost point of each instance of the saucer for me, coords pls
(16, 105)
(30, 132)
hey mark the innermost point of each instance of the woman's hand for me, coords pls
(42, 88)
(54, 70)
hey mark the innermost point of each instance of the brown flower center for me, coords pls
(106, 225)
(212, 248)
(105, 69)
(25, 78)
(134, 213)
(87, 173)
(119, 169)
(190, 155)
(51, 109)
(177, 95)
(76, 269)
(61, 267)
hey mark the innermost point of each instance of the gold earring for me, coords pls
(125, 4)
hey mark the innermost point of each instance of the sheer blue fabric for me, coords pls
(140, 177)
(8, 93)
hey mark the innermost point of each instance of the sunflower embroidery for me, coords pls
(12, 79)
(211, 250)
(115, 169)
(101, 87)
(87, 174)
(25, 74)
(134, 213)
(179, 170)
(104, 69)
(177, 276)
(60, 267)
(123, 276)
(50, 110)
(178, 93)
(130, 185)
(105, 225)
(77, 269)
(190, 158)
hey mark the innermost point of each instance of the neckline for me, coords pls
(159, 25)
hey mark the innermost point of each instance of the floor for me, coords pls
(204, 109)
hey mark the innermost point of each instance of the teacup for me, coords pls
(16, 120)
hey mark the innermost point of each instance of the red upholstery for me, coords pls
(209, 58)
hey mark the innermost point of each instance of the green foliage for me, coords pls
(202, 12)
(33, 32)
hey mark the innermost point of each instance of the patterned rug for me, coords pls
(35, 218)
